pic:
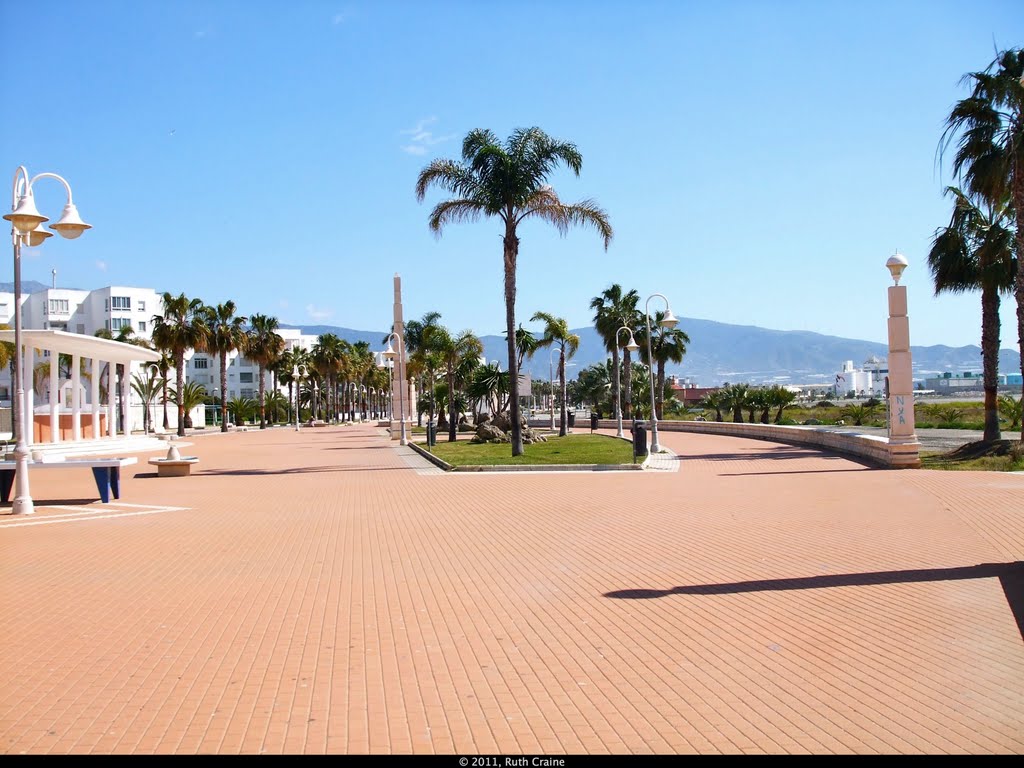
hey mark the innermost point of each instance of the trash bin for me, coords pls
(639, 439)
(593, 422)
(431, 434)
(572, 418)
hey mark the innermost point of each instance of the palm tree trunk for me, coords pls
(990, 359)
(659, 396)
(224, 392)
(511, 243)
(263, 418)
(179, 379)
(617, 384)
(563, 428)
(164, 396)
(1018, 285)
(453, 417)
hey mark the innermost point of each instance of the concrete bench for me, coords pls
(106, 472)
(180, 467)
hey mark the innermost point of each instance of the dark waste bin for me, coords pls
(639, 439)
(572, 418)
(593, 422)
(431, 433)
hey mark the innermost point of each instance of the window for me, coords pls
(117, 323)
(247, 392)
(243, 362)
(142, 306)
(142, 325)
(58, 306)
(245, 378)
(5, 393)
(120, 302)
(200, 362)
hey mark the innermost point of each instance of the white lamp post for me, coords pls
(551, 387)
(297, 377)
(27, 229)
(389, 354)
(153, 373)
(632, 346)
(669, 321)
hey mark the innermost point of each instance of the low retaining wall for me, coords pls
(876, 450)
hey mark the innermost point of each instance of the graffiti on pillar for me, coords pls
(899, 410)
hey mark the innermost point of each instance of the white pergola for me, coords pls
(99, 352)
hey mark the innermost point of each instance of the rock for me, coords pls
(487, 433)
(532, 436)
(464, 427)
(504, 422)
(485, 418)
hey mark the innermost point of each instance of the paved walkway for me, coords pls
(321, 591)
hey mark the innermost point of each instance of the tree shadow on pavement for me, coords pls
(1010, 575)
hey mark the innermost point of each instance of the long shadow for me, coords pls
(797, 472)
(774, 454)
(49, 502)
(292, 471)
(1010, 575)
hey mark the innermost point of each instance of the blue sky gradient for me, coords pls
(759, 161)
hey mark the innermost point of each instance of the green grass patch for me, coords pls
(571, 449)
(1000, 456)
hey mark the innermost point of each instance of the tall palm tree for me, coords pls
(975, 251)
(509, 181)
(227, 333)
(457, 354)
(263, 346)
(293, 358)
(181, 327)
(556, 331)
(988, 127)
(612, 310)
(414, 331)
(667, 345)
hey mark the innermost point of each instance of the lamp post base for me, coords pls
(23, 506)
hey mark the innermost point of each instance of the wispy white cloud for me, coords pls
(421, 139)
(318, 314)
(199, 34)
(101, 265)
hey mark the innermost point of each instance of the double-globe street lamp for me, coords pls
(389, 354)
(27, 229)
(298, 374)
(669, 322)
(632, 346)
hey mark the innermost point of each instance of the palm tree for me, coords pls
(715, 401)
(667, 344)
(227, 333)
(988, 127)
(193, 395)
(612, 310)
(780, 397)
(293, 358)
(735, 397)
(263, 346)
(181, 327)
(146, 387)
(414, 331)
(509, 181)
(1012, 409)
(975, 251)
(457, 354)
(556, 331)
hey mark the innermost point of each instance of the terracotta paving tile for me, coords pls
(314, 592)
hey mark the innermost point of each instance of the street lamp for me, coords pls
(551, 387)
(669, 322)
(632, 346)
(297, 377)
(216, 406)
(389, 354)
(154, 371)
(27, 229)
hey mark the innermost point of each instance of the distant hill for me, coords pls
(27, 287)
(721, 352)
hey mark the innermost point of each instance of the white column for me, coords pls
(76, 398)
(904, 448)
(94, 397)
(126, 428)
(30, 395)
(54, 397)
(111, 396)
(399, 408)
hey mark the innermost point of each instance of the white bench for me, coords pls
(107, 473)
(179, 467)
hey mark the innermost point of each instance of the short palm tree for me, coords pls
(614, 309)
(509, 181)
(263, 346)
(227, 334)
(780, 398)
(556, 332)
(988, 128)
(181, 327)
(1011, 408)
(735, 398)
(414, 330)
(147, 388)
(193, 395)
(715, 401)
(457, 354)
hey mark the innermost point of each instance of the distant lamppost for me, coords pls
(27, 229)
(551, 387)
(669, 322)
(153, 373)
(297, 376)
(632, 346)
(216, 406)
(389, 354)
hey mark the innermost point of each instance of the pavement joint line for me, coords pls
(81, 517)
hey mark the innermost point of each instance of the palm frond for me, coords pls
(454, 212)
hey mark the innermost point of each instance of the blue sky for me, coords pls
(759, 161)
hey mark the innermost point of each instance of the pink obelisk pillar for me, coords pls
(407, 406)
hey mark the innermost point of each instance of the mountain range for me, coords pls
(721, 352)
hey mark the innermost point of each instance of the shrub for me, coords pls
(825, 404)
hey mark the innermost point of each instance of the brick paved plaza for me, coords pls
(324, 591)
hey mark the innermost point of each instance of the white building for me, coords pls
(865, 381)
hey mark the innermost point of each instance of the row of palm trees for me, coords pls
(758, 402)
(982, 246)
